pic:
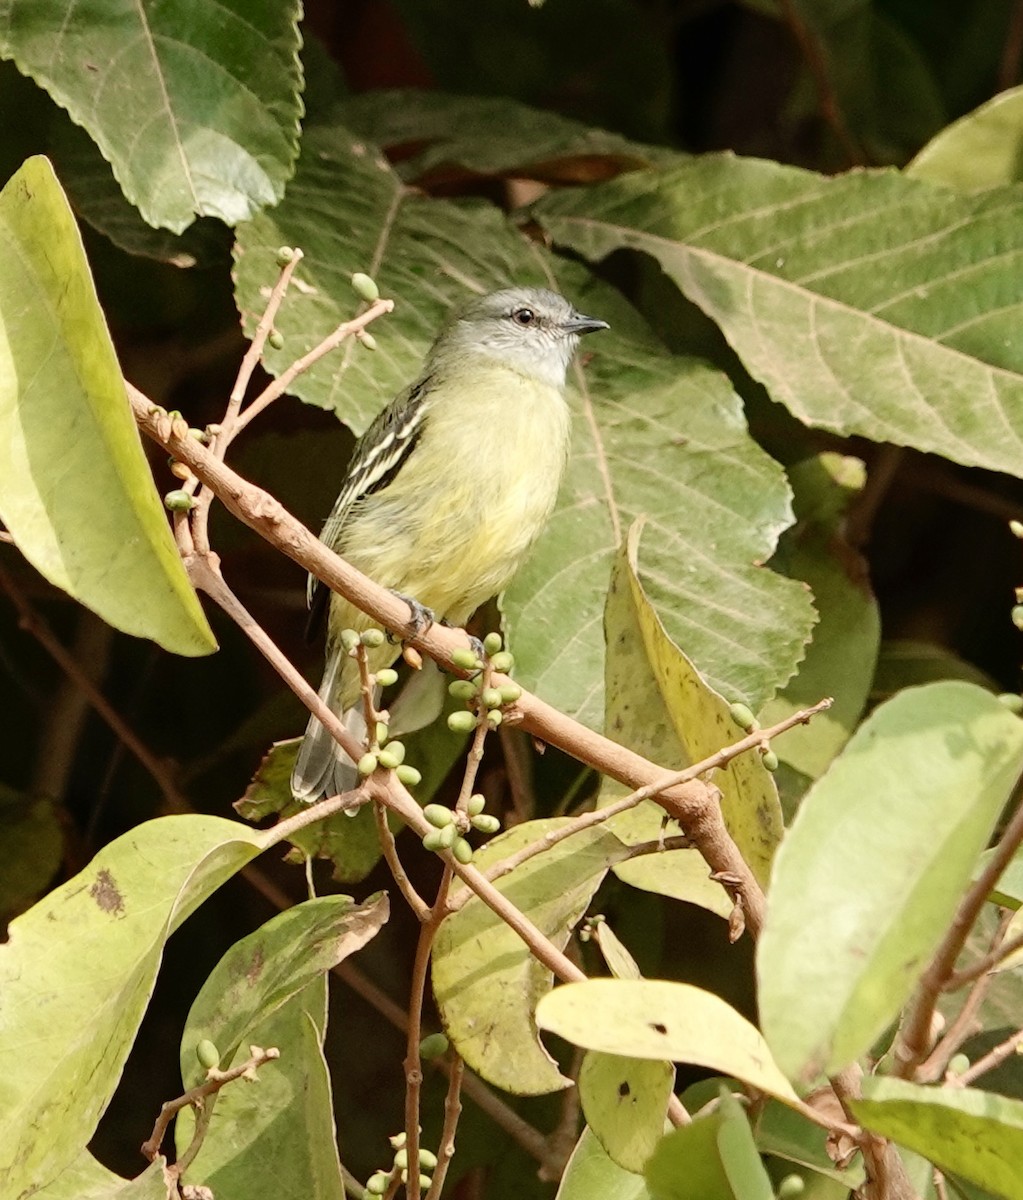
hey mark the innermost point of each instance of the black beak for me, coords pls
(577, 323)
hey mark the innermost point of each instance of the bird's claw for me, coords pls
(420, 620)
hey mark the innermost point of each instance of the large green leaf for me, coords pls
(980, 150)
(270, 990)
(975, 1134)
(887, 838)
(76, 976)
(88, 1179)
(659, 705)
(76, 492)
(652, 1018)
(196, 106)
(590, 1173)
(481, 966)
(625, 1102)
(654, 433)
(868, 303)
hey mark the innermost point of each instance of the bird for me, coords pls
(446, 491)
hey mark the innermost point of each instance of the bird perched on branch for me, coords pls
(447, 489)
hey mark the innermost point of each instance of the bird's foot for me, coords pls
(420, 620)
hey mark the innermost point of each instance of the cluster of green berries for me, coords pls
(487, 702)
(382, 753)
(450, 826)
(743, 716)
(380, 1181)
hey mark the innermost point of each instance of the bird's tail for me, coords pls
(322, 767)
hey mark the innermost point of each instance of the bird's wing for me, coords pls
(377, 458)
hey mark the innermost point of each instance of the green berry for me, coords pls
(485, 823)
(381, 732)
(477, 803)
(433, 1046)
(387, 760)
(462, 689)
(377, 1183)
(427, 1160)
(510, 692)
(372, 638)
(387, 677)
(1016, 528)
(448, 835)
(494, 718)
(462, 850)
(1016, 614)
(424, 1182)
(198, 435)
(461, 722)
(284, 255)
(438, 815)
(465, 659)
(409, 776)
(958, 1064)
(790, 1187)
(207, 1054)
(503, 661)
(349, 640)
(399, 1139)
(367, 340)
(742, 715)
(492, 697)
(365, 287)
(395, 750)
(431, 840)
(178, 501)
(276, 339)
(401, 1159)
(770, 760)
(1012, 701)
(492, 643)
(367, 764)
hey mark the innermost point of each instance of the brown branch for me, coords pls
(886, 1175)
(994, 1058)
(911, 1046)
(982, 966)
(452, 1111)
(688, 803)
(1012, 48)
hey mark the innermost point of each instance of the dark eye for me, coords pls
(523, 316)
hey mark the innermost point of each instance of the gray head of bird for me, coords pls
(532, 330)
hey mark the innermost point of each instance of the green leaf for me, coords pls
(87, 1179)
(888, 838)
(590, 1173)
(625, 1102)
(77, 974)
(196, 107)
(787, 263)
(972, 1133)
(660, 706)
(480, 965)
(650, 1018)
(841, 658)
(714, 1158)
(980, 150)
(646, 424)
(76, 492)
(270, 990)
(488, 135)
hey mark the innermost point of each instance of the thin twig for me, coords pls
(982, 966)
(994, 1058)
(452, 1111)
(398, 872)
(912, 1043)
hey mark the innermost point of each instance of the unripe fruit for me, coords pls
(462, 689)
(427, 1159)
(461, 850)
(377, 1183)
(448, 835)
(284, 255)
(485, 823)
(492, 643)
(477, 803)
(393, 750)
(770, 760)
(367, 764)
(494, 718)
(433, 1046)
(492, 697)
(438, 815)
(365, 287)
(409, 776)
(958, 1064)
(461, 722)
(1016, 528)
(465, 659)
(510, 692)
(790, 1187)
(276, 339)
(401, 1159)
(1016, 614)
(349, 640)
(431, 840)
(381, 732)
(372, 638)
(503, 661)
(387, 676)
(178, 501)
(207, 1054)
(743, 716)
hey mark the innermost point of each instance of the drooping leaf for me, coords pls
(787, 263)
(651, 1018)
(590, 1173)
(76, 976)
(270, 990)
(971, 1133)
(625, 1102)
(88, 1179)
(196, 107)
(888, 837)
(980, 150)
(659, 705)
(714, 1158)
(76, 492)
(485, 980)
